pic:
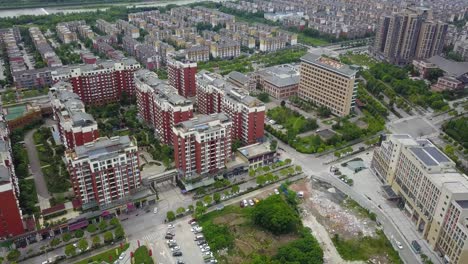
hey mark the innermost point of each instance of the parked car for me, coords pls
(199, 237)
(399, 245)
(170, 226)
(170, 233)
(191, 221)
(155, 210)
(176, 248)
(169, 237)
(179, 261)
(201, 242)
(245, 203)
(251, 203)
(171, 241)
(276, 191)
(241, 204)
(256, 201)
(122, 256)
(177, 254)
(171, 245)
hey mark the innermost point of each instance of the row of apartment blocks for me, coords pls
(215, 95)
(100, 83)
(434, 193)
(127, 28)
(75, 126)
(159, 104)
(103, 171)
(107, 28)
(9, 38)
(43, 47)
(11, 217)
(66, 31)
(146, 54)
(350, 19)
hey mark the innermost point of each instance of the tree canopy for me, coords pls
(275, 215)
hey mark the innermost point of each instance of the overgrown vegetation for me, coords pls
(66, 53)
(291, 120)
(364, 247)
(457, 129)
(392, 81)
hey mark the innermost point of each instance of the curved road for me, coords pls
(41, 185)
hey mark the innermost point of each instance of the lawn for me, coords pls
(357, 59)
(141, 256)
(302, 38)
(109, 255)
(294, 122)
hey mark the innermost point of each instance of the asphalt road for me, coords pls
(39, 180)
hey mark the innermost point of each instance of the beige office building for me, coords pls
(434, 194)
(328, 83)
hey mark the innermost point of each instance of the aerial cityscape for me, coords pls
(236, 132)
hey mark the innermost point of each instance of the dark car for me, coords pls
(170, 233)
(242, 204)
(201, 242)
(171, 245)
(169, 237)
(177, 254)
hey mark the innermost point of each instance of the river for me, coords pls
(74, 9)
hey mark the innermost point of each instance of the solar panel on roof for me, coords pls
(423, 156)
(436, 154)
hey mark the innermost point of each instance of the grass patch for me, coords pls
(364, 248)
(113, 253)
(357, 59)
(142, 256)
(294, 122)
(303, 38)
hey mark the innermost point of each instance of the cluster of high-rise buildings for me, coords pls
(351, 18)
(433, 193)
(408, 35)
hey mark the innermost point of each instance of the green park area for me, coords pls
(110, 255)
(271, 232)
(345, 129)
(142, 256)
(244, 63)
(357, 59)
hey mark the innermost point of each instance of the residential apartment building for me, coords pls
(107, 28)
(434, 194)
(43, 47)
(280, 81)
(128, 29)
(159, 104)
(327, 82)
(9, 40)
(11, 218)
(101, 83)
(75, 126)
(197, 53)
(269, 44)
(215, 95)
(461, 47)
(225, 49)
(65, 34)
(407, 35)
(181, 75)
(33, 78)
(202, 145)
(104, 171)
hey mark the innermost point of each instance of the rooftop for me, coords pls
(204, 122)
(255, 150)
(463, 204)
(329, 64)
(452, 68)
(102, 147)
(281, 75)
(430, 156)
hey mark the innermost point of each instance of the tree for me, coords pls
(83, 244)
(434, 74)
(298, 168)
(324, 111)
(261, 180)
(251, 172)
(180, 210)
(91, 228)
(235, 189)
(108, 237)
(191, 208)
(170, 215)
(79, 233)
(264, 97)
(199, 211)
(273, 144)
(283, 103)
(275, 215)
(199, 203)
(235, 145)
(70, 250)
(66, 237)
(114, 221)
(217, 197)
(303, 250)
(207, 199)
(287, 161)
(96, 241)
(54, 242)
(13, 255)
(119, 233)
(102, 225)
